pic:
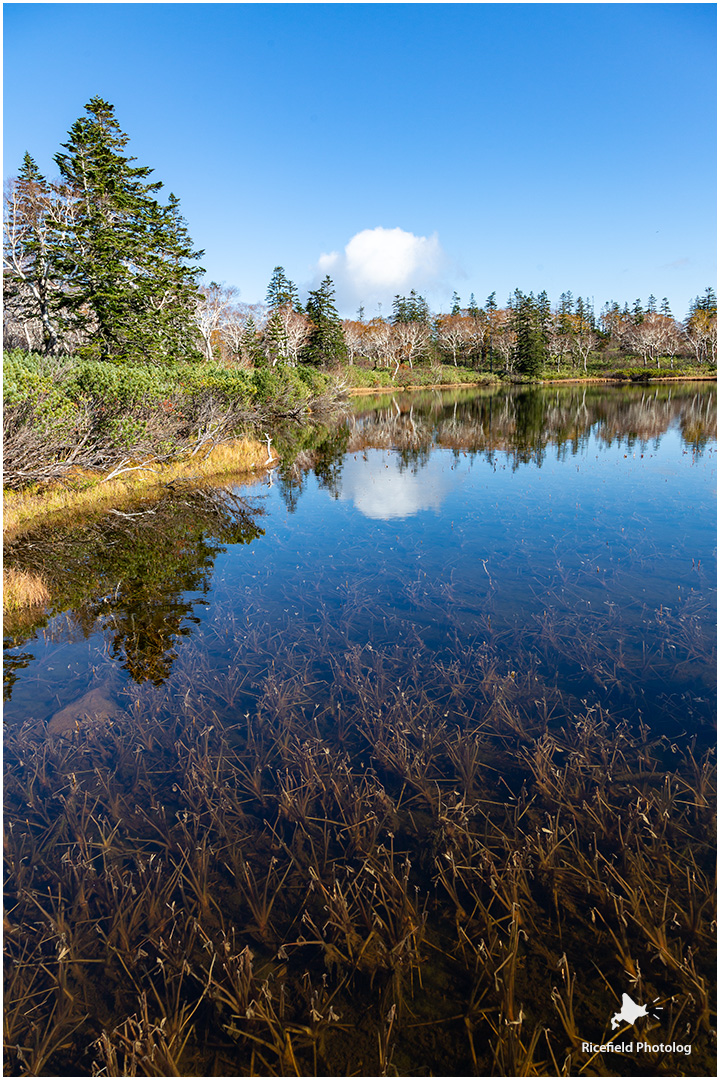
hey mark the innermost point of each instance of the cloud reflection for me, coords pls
(381, 488)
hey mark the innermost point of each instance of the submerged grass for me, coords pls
(296, 847)
(415, 868)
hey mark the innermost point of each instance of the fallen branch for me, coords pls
(124, 467)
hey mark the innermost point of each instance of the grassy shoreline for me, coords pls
(544, 381)
(88, 492)
(86, 496)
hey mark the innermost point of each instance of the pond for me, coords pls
(396, 761)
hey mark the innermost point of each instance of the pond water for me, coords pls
(579, 523)
(436, 698)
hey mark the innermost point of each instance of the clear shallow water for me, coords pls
(398, 761)
(592, 551)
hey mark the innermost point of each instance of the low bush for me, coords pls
(62, 413)
(360, 377)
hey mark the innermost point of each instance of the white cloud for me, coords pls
(378, 263)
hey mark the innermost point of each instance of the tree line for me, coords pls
(97, 265)
(523, 337)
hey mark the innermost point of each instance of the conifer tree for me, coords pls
(412, 308)
(543, 312)
(529, 347)
(276, 341)
(281, 291)
(128, 260)
(326, 344)
(250, 345)
(706, 302)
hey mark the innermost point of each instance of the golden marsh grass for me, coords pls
(86, 494)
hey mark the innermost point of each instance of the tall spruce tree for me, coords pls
(281, 291)
(326, 344)
(251, 349)
(412, 308)
(544, 320)
(530, 346)
(128, 261)
(281, 294)
(707, 302)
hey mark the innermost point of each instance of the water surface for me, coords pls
(396, 761)
(579, 523)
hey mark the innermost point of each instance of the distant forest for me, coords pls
(95, 265)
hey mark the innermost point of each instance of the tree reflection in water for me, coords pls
(403, 778)
(129, 574)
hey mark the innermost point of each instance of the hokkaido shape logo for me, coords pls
(629, 1013)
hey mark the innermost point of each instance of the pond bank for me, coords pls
(88, 494)
(360, 391)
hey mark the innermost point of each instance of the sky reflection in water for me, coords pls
(517, 533)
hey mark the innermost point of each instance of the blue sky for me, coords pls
(475, 147)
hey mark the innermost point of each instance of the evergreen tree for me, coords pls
(585, 314)
(544, 319)
(251, 349)
(455, 309)
(419, 308)
(473, 309)
(275, 338)
(128, 260)
(172, 289)
(490, 303)
(665, 308)
(281, 297)
(412, 308)
(326, 344)
(706, 302)
(399, 310)
(530, 350)
(566, 303)
(281, 290)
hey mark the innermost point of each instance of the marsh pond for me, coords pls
(397, 761)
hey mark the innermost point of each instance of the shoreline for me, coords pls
(88, 492)
(361, 391)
